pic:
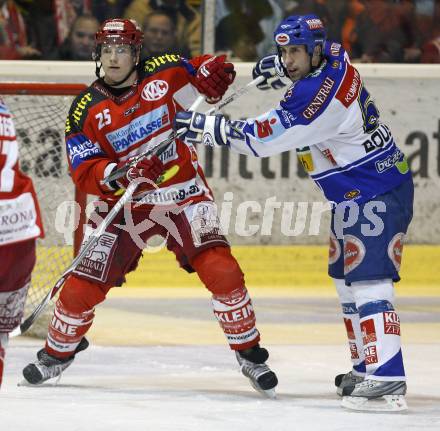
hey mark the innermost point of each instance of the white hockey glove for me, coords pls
(272, 70)
(199, 128)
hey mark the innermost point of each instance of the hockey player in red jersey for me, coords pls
(118, 117)
(20, 225)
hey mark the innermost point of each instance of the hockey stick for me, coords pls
(93, 239)
(118, 173)
(236, 94)
(87, 246)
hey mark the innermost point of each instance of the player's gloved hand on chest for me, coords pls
(272, 70)
(146, 171)
(199, 128)
(214, 77)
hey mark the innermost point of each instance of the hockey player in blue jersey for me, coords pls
(328, 117)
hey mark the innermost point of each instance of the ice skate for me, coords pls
(345, 383)
(375, 395)
(48, 367)
(253, 366)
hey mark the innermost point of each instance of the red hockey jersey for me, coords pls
(102, 130)
(20, 217)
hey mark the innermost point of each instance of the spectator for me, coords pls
(386, 33)
(267, 24)
(13, 34)
(349, 18)
(188, 27)
(105, 9)
(329, 11)
(428, 29)
(425, 15)
(44, 25)
(240, 32)
(80, 42)
(160, 36)
(431, 50)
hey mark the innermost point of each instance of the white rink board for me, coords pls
(408, 97)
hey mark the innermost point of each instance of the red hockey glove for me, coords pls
(214, 77)
(148, 169)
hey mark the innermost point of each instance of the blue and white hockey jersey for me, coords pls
(331, 121)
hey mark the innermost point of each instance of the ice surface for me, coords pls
(195, 388)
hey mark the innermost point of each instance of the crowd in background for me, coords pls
(395, 31)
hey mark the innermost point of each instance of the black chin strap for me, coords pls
(98, 69)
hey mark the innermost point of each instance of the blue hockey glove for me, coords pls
(272, 70)
(198, 128)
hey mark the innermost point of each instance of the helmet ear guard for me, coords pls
(96, 54)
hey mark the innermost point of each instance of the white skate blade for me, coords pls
(24, 382)
(386, 403)
(268, 393)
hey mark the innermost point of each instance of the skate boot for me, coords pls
(345, 383)
(48, 367)
(375, 395)
(252, 365)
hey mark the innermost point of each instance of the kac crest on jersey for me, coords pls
(155, 90)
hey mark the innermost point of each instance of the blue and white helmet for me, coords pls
(305, 30)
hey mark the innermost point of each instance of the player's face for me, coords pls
(117, 61)
(297, 61)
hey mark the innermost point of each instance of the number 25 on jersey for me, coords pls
(104, 118)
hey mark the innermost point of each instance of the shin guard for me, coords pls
(66, 330)
(236, 316)
(73, 315)
(232, 306)
(380, 326)
(350, 315)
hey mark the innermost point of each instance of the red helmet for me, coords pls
(120, 31)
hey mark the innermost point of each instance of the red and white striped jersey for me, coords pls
(19, 212)
(103, 129)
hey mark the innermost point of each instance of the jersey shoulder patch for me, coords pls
(151, 65)
(350, 79)
(334, 50)
(309, 97)
(81, 105)
(350, 87)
